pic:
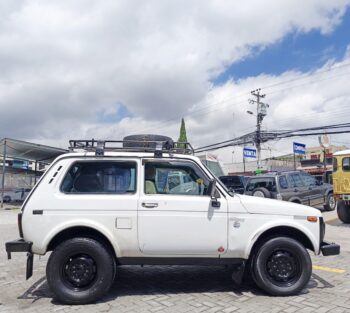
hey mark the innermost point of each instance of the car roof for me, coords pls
(344, 152)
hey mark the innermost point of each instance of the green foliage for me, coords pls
(183, 135)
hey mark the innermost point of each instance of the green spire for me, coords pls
(183, 135)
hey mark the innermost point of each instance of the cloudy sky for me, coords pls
(105, 69)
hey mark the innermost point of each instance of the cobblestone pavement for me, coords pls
(177, 288)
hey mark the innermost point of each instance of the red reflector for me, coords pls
(221, 249)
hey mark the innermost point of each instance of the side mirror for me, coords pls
(212, 188)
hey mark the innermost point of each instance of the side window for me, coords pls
(308, 179)
(176, 178)
(283, 182)
(346, 164)
(100, 177)
(335, 164)
(295, 180)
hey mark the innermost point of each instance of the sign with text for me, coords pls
(299, 148)
(249, 153)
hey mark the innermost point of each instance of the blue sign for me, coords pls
(299, 148)
(249, 153)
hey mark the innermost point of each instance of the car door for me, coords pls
(316, 192)
(299, 190)
(176, 216)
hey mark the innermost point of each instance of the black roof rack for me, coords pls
(158, 147)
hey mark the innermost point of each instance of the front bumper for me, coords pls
(330, 248)
(20, 245)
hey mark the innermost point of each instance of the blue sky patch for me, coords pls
(298, 51)
(109, 118)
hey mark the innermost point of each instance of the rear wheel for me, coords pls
(343, 211)
(281, 266)
(80, 270)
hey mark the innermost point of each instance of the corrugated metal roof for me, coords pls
(18, 149)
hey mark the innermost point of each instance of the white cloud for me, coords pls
(62, 62)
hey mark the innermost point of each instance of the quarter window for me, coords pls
(175, 178)
(346, 164)
(100, 177)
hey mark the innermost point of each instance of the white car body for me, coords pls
(181, 226)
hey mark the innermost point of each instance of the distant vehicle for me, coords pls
(299, 187)
(341, 183)
(18, 194)
(234, 183)
(212, 163)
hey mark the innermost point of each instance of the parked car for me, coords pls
(295, 186)
(234, 183)
(104, 207)
(18, 194)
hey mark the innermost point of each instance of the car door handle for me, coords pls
(149, 205)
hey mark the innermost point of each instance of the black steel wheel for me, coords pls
(282, 266)
(80, 270)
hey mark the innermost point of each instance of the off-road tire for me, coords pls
(89, 256)
(277, 257)
(263, 193)
(331, 203)
(343, 211)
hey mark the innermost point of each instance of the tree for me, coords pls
(183, 135)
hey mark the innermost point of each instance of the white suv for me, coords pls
(108, 206)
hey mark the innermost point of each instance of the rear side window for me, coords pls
(233, 181)
(295, 180)
(346, 164)
(267, 182)
(308, 179)
(100, 177)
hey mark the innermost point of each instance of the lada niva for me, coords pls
(110, 203)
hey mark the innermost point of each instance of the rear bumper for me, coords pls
(330, 248)
(20, 245)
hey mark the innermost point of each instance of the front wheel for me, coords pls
(281, 266)
(80, 271)
(331, 203)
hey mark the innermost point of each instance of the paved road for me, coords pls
(179, 288)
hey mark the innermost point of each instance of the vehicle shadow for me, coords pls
(156, 280)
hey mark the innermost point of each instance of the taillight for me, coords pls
(19, 222)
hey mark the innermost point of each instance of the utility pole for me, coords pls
(261, 112)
